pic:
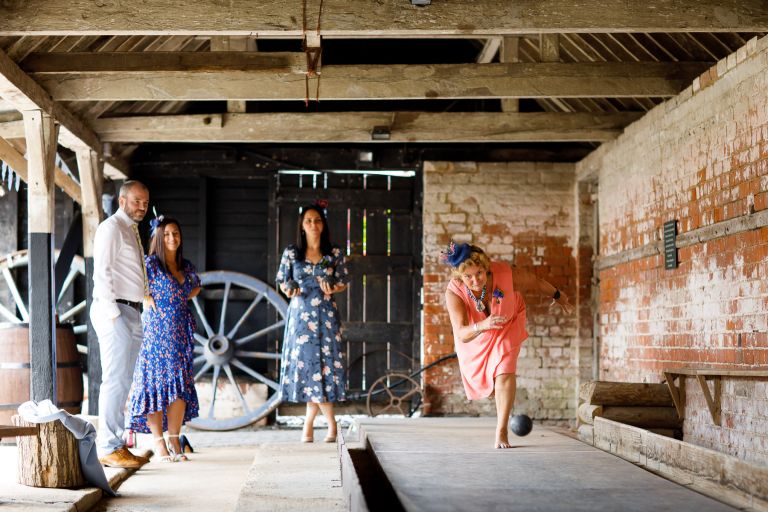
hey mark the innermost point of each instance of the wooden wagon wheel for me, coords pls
(67, 312)
(395, 393)
(221, 348)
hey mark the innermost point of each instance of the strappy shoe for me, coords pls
(176, 456)
(165, 458)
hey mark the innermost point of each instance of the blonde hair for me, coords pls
(476, 257)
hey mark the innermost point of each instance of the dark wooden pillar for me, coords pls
(91, 180)
(41, 134)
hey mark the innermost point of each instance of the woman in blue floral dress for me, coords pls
(313, 362)
(164, 396)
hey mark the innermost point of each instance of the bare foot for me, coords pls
(502, 441)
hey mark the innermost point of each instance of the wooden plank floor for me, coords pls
(446, 464)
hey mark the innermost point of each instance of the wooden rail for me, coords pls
(13, 431)
(702, 375)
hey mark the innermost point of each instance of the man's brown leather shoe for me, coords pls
(128, 453)
(121, 458)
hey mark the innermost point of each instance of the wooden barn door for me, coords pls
(376, 220)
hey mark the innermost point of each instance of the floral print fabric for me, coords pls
(312, 361)
(163, 371)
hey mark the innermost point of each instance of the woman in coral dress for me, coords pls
(488, 320)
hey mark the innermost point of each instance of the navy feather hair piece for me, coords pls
(153, 223)
(456, 254)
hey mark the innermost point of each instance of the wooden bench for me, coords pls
(702, 375)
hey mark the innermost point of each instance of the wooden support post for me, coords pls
(91, 180)
(41, 134)
(713, 402)
(675, 392)
(509, 53)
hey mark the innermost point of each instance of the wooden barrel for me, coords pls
(14, 370)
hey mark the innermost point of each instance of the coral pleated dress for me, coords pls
(493, 352)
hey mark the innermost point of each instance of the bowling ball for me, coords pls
(521, 424)
(291, 285)
(330, 281)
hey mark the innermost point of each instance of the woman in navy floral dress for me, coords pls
(313, 362)
(164, 396)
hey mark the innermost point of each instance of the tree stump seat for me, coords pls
(48, 455)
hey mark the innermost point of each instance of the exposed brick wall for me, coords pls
(522, 213)
(700, 158)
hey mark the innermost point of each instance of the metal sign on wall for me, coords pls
(670, 244)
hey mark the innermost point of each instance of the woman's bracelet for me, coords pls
(475, 328)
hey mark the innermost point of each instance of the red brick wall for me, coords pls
(523, 214)
(700, 158)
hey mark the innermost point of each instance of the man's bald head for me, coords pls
(134, 199)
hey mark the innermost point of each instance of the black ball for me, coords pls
(291, 285)
(330, 281)
(521, 425)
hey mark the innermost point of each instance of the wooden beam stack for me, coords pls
(647, 406)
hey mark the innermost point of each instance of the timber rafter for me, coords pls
(201, 76)
(357, 127)
(388, 18)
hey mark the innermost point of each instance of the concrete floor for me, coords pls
(449, 464)
(210, 480)
(21, 498)
(434, 464)
(265, 469)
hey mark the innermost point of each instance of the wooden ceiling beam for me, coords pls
(364, 82)
(357, 127)
(23, 93)
(141, 62)
(376, 18)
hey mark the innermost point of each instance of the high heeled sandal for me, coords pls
(186, 447)
(176, 456)
(165, 458)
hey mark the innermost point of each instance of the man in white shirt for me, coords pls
(119, 286)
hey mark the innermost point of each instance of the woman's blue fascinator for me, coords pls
(153, 223)
(456, 254)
